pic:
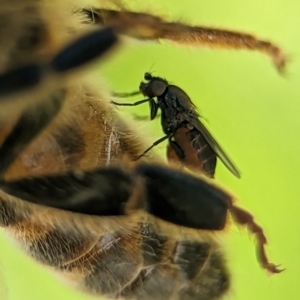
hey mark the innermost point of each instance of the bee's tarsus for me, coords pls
(244, 218)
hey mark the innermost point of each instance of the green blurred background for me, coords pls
(254, 114)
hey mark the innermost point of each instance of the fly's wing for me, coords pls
(188, 112)
(215, 146)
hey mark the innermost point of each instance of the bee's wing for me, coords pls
(215, 145)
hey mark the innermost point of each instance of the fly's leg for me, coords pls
(126, 95)
(153, 145)
(131, 104)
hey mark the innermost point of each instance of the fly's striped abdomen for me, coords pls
(196, 152)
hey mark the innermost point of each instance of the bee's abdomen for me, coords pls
(135, 260)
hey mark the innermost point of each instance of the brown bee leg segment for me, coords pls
(244, 218)
(102, 192)
(154, 144)
(30, 124)
(148, 27)
(183, 199)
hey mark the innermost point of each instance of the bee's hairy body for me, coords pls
(128, 257)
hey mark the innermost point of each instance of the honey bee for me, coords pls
(189, 141)
(94, 220)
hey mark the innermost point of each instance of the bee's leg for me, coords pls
(171, 195)
(244, 218)
(144, 26)
(153, 145)
(183, 199)
(192, 202)
(31, 122)
(103, 192)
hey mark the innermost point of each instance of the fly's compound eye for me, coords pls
(156, 88)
